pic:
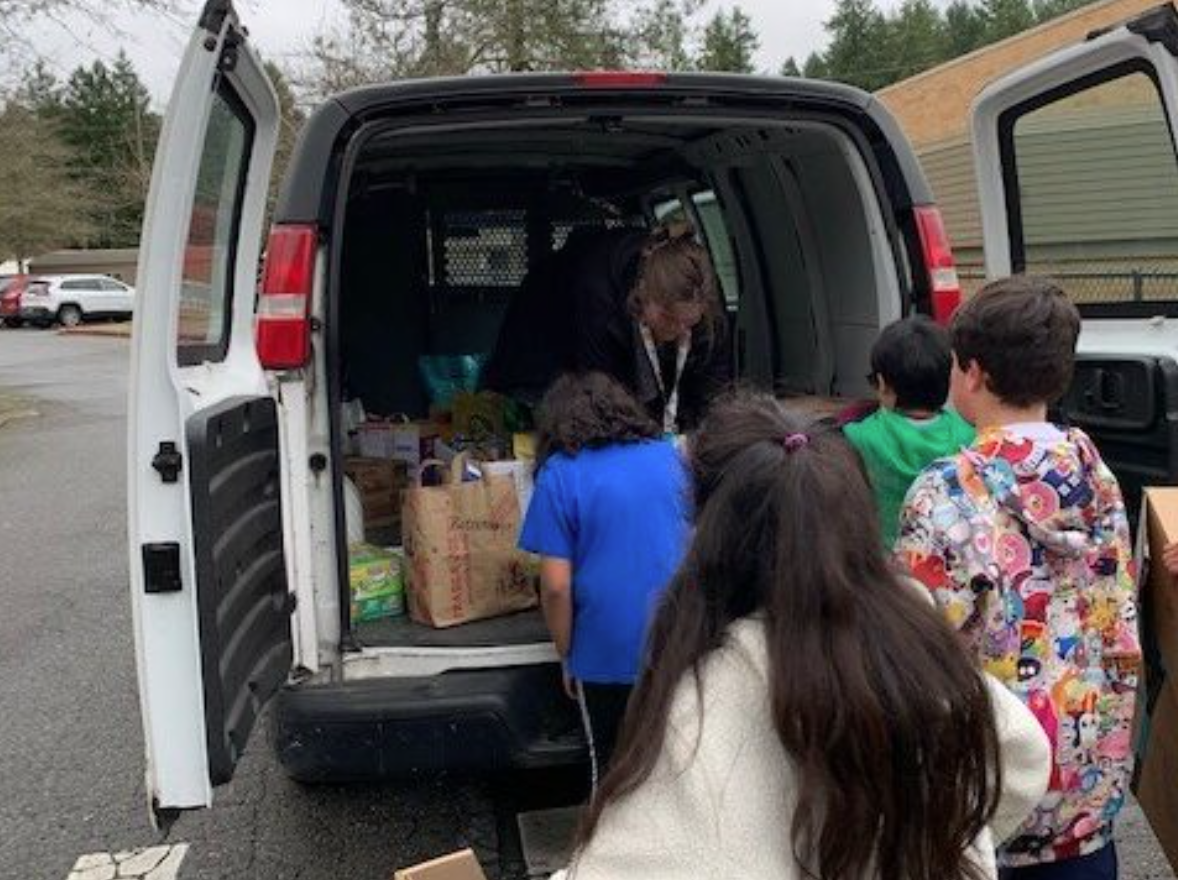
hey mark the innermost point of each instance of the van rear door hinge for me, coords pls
(168, 461)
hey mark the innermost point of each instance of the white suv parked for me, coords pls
(72, 299)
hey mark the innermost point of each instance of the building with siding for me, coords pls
(120, 263)
(1098, 178)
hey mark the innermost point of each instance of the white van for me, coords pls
(808, 196)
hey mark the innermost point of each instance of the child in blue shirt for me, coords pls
(609, 521)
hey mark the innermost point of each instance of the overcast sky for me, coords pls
(283, 29)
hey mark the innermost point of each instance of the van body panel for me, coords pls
(482, 720)
(1033, 216)
(197, 390)
(309, 186)
(350, 710)
(1026, 89)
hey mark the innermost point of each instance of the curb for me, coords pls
(104, 332)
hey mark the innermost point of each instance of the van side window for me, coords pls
(1097, 191)
(719, 244)
(670, 211)
(206, 297)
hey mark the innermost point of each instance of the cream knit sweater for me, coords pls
(722, 810)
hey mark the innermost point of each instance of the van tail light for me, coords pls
(614, 79)
(283, 330)
(938, 262)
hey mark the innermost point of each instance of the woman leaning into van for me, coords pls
(804, 712)
(647, 311)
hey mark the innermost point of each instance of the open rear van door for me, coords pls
(1077, 173)
(212, 611)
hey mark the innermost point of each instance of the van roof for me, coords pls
(306, 193)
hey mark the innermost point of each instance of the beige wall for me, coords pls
(121, 264)
(933, 107)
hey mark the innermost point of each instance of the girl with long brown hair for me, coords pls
(803, 711)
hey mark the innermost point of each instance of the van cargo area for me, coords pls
(453, 240)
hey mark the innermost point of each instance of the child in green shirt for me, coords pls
(910, 364)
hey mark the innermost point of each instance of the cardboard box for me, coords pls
(814, 407)
(413, 443)
(375, 439)
(1155, 779)
(381, 483)
(410, 442)
(461, 865)
(1159, 591)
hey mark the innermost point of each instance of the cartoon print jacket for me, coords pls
(1025, 546)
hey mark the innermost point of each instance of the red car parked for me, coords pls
(11, 291)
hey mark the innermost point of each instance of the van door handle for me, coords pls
(1106, 391)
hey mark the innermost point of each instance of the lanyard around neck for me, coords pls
(670, 401)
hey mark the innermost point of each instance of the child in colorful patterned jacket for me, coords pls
(1023, 541)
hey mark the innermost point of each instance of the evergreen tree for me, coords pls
(40, 91)
(729, 43)
(917, 39)
(1005, 18)
(1045, 10)
(790, 67)
(660, 35)
(106, 121)
(857, 53)
(965, 28)
(816, 67)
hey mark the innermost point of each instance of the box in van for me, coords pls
(411, 217)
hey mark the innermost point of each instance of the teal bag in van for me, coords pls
(445, 375)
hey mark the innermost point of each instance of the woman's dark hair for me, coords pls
(913, 356)
(886, 722)
(588, 410)
(675, 269)
(1022, 331)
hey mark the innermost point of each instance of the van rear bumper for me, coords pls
(515, 718)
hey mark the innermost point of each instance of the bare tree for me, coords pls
(393, 39)
(17, 51)
(39, 199)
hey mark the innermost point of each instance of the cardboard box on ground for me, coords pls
(1155, 780)
(461, 865)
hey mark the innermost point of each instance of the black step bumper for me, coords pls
(474, 721)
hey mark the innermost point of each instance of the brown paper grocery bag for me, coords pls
(460, 549)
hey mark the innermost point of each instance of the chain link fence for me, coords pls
(1088, 286)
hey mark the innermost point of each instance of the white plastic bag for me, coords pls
(353, 513)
